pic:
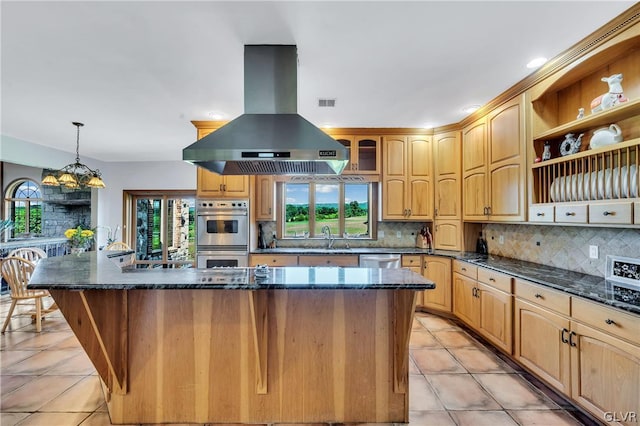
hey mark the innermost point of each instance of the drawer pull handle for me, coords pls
(538, 296)
(571, 342)
(492, 279)
(564, 339)
(539, 214)
(463, 269)
(610, 321)
(606, 213)
(570, 214)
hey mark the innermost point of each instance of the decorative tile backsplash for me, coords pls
(564, 247)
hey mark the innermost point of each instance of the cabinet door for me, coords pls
(465, 305)
(420, 178)
(236, 186)
(447, 159)
(447, 234)
(264, 198)
(394, 178)
(332, 260)
(347, 142)
(210, 184)
(538, 344)
(506, 162)
(368, 154)
(438, 270)
(495, 322)
(474, 170)
(605, 374)
(273, 259)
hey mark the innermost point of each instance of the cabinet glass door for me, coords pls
(367, 155)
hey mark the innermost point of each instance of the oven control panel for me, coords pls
(217, 205)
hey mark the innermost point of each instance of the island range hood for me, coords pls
(270, 138)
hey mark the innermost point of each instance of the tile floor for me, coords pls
(454, 380)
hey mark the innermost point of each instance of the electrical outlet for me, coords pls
(380, 234)
(501, 239)
(399, 234)
(593, 252)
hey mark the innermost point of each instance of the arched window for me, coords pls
(24, 205)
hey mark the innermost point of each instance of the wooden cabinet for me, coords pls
(364, 154)
(213, 185)
(485, 306)
(494, 165)
(407, 191)
(447, 191)
(273, 259)
(438, 270)
(596, 177)
(586, 350)
(264, 198)
(333, 260)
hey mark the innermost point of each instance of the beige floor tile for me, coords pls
(416, 325)
(413, 368)
(461, 392)
(433, 323)
(44, 340)
(543, 418)
(40, 363)
(99, 418)
(70, 343)
(50, 419)
(9, 357)
(477, 360)
(421, 339)
(36, 393)
(433, 361)
(483, 418)
(430, 418)
(86, 396)
(78, 364)
(11, 419)
(513, 392)
(455, 339)
(10, 339)
(421, 395)
(11, 383)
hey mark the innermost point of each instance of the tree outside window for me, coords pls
(25, 207)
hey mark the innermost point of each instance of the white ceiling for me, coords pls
(137, 73)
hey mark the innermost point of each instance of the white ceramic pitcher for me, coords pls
(606, 136)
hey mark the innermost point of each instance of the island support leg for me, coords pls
(258, 301)
(404, 306)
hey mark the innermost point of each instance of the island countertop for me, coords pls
(94, 271)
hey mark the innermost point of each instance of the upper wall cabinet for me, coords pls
(213, 185)
(447, 191)
(588, 179)
(407, 181)
(364, 154)
(494, 165)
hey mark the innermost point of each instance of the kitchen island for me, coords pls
(300, 345)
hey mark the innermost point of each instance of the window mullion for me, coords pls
(312, 209)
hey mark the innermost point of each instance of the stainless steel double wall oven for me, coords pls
(222, 228)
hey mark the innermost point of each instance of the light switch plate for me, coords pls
(593, 252)
(399, 234)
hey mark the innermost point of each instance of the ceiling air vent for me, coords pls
(329, 103)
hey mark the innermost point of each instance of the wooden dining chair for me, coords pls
(32, 254)
(118, 245)
(17, 271)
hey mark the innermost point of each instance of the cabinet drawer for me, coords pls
(328, 260)
(465, 269)
(636, 213)
(574, 213)
(610, 213)
(495, 279)
(274, 260)
(543, 296)
(411, 261)
(541, 213)
(609, 320)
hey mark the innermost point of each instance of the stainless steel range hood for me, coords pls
(270, 138)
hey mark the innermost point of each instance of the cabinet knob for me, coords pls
(606, 213)
(409, 212)
(539, 214)
(610, 321)
(570, 214)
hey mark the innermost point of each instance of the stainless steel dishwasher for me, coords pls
(388, 261)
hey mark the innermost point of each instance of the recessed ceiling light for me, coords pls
(216, 115)
(427, 126)
(537, 62)
(471, 108)
(327, 126)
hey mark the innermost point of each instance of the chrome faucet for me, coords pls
(326, 230)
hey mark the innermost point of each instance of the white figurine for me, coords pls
(613, 97)
(580, 113)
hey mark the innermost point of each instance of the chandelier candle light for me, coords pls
(75, 175)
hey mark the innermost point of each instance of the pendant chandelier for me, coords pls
(75, 175)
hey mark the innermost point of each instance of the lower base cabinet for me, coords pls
(438, 270)
(595, 368)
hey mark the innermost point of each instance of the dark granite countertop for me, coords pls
(93, 270)
(588, 286)
(354, 250)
